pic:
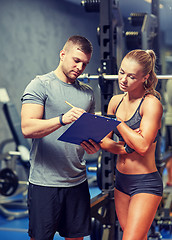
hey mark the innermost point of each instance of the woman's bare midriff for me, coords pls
(134, 163)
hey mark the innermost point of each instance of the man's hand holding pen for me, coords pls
(72, 115)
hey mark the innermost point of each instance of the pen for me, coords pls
(69, 104)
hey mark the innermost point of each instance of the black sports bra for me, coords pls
(133, 122)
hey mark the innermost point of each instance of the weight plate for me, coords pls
(8, 182)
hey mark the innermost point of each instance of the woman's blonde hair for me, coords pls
(147, 59)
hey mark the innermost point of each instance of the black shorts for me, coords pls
(132, 184)
(64, 210)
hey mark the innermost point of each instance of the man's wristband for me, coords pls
(128, 149)
(60, 119)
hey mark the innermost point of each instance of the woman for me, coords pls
(139, 187)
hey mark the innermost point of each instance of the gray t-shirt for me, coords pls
(53, 162)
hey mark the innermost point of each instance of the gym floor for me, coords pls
(17, 228)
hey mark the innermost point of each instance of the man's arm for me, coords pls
(33, 126)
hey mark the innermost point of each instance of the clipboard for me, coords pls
(89, 126)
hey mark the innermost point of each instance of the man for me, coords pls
(58, 194)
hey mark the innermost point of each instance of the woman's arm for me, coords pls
(110, 145)
(150, 124)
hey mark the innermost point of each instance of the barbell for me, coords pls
(115, 77)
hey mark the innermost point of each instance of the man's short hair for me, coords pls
(83, 43)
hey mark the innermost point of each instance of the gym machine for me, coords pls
(14, 165)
